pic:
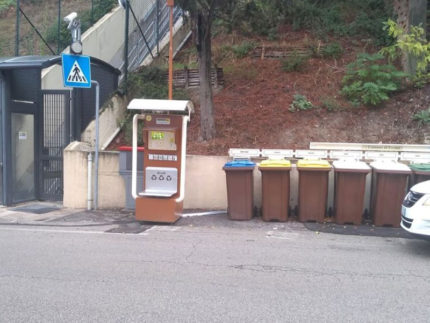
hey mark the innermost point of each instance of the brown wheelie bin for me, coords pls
(420, 172)
(389, 184)
(275, 178)
(350, 187)
(313, 189)
(240, 189)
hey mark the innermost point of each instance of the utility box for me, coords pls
(313, 189)
(164, 135)
(240, 189)
(275, 177)
(125, 157)
(389, 185)
(350, 186)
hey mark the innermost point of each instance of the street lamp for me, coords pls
(75, 29)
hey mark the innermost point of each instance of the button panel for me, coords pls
(162, 157)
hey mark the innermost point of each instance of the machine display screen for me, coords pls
(162, 140)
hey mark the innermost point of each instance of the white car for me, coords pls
(416, 210)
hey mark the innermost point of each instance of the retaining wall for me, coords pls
(205, 185)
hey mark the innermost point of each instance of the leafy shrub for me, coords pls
(263, 16)
(330, 104)
(5, 5)
(300, 103)
(243, 49)
(332, 50)
(294, 63)
(422, 116)
(341, 18)
(369, 81)
(413, 43)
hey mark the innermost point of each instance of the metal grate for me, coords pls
(56, 136)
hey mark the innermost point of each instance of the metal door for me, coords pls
(55, 137)
(2, 105)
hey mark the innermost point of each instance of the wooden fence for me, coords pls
(188, 78)
(283, 52)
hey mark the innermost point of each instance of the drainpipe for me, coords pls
(90, 175)
(134, 192)
(181, 196)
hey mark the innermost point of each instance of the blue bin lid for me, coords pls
(239, 163)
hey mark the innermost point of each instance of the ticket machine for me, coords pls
(164, 136)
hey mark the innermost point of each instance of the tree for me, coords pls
(202, 13)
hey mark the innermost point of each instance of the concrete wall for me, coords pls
(205, 185)
(111, 185)
(110, 116)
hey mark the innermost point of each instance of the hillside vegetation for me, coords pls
(325, 82)
(43, 14)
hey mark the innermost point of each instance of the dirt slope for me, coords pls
(251, 111)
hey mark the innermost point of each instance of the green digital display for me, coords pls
(161, 140)
(157, 135)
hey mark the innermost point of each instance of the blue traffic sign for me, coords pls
(76, 70)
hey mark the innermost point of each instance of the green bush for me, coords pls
(5, 5)
(332, 50)
(294, 63)
(243, 49)
(341, 18)
(422, 116)
(368, 80)
(412, 43)
(330, 104)
(300, 103)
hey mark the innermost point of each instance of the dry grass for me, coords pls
(42, 14)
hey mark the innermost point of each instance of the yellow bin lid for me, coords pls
(313, 163)
(275, 163)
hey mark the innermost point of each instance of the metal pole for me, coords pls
(58, 28)
(89, 179)
(92, 12)
(170, 3)
(4, 164)
(127, 19)
(158, 27)
(17, 29)
(96, 160)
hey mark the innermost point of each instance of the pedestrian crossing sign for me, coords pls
(76, 70)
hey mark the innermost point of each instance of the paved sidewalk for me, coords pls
(48, 214)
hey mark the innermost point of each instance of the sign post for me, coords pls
(77, 74)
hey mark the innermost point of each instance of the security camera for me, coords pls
(71, 19)
(123, 4)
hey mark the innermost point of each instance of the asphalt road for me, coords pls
(204, 273)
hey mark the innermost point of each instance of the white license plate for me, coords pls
(403, 210)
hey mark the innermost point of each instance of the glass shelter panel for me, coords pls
(23, 157)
